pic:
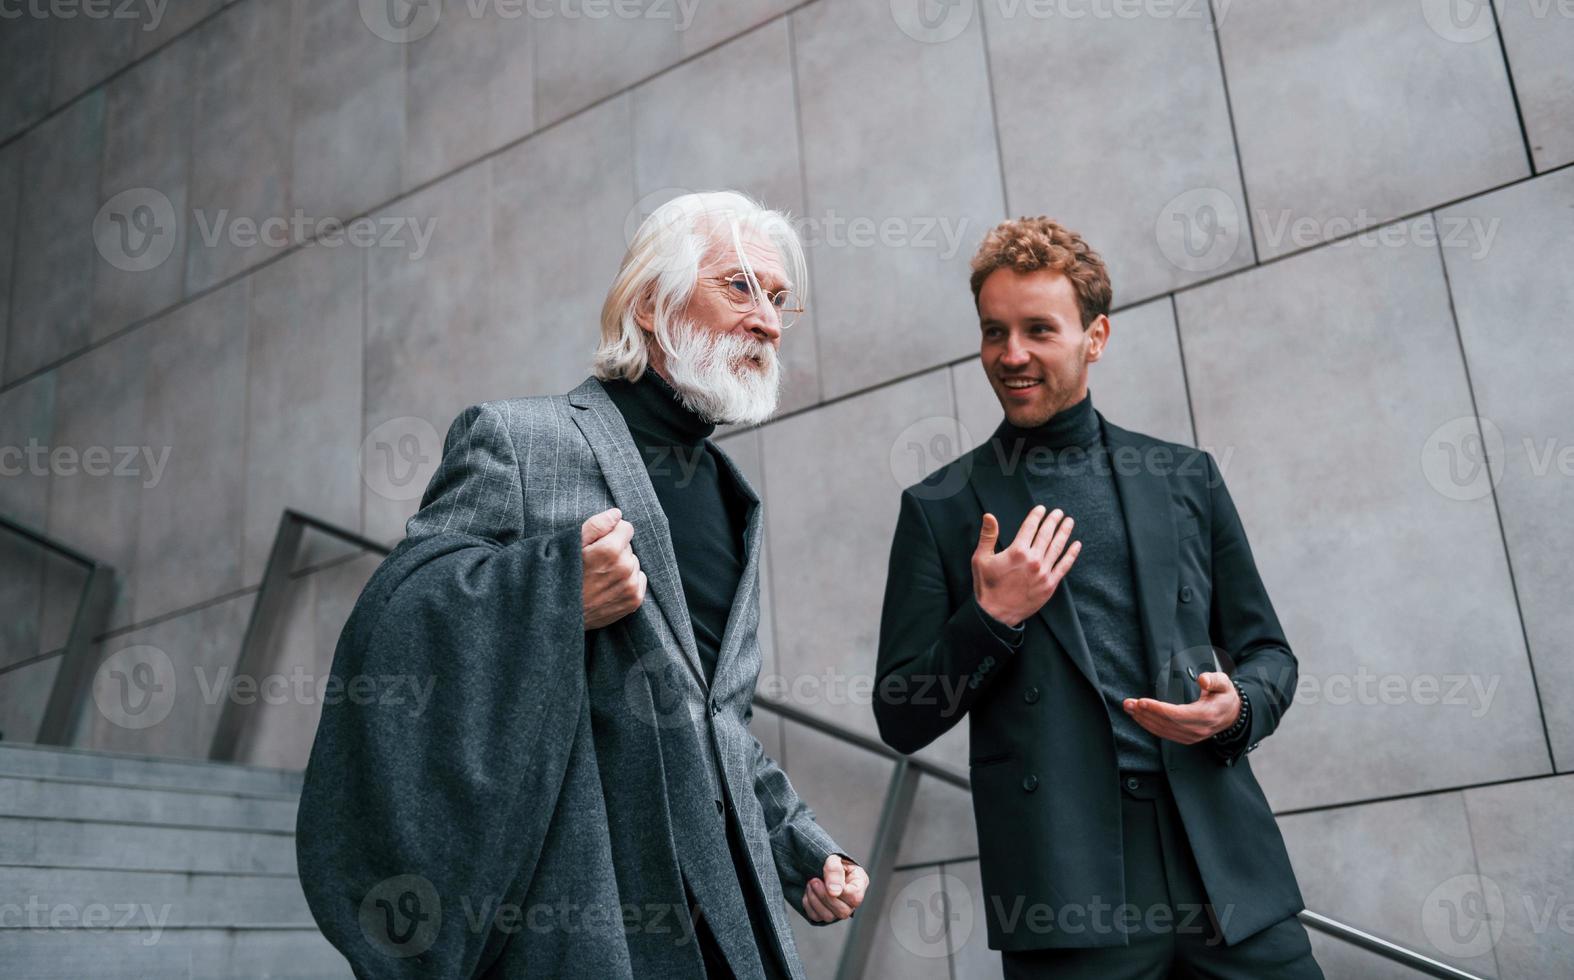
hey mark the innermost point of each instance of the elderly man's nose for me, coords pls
(765, 322)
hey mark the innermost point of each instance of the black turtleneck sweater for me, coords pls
(706, 517)
(1067, 465)
(705, 510)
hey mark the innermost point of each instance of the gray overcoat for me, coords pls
(533, 818)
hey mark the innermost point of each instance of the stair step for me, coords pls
(17, 759)
(128, 846)
(32, 797)
(76, 954)
(41, 897)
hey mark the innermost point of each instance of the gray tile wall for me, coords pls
(1390, 408)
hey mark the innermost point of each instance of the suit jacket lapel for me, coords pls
(624, 471)
(1150, 528)
(748, 582)
(1001, 486)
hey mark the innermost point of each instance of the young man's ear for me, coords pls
(1099, 328)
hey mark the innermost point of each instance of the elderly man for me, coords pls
(584, 797)
(1115, 681)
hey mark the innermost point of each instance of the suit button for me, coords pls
(1029, 783)
(715, 707)
(1185, 593)
(718, 808)
(1131, 782)
(1030, 695)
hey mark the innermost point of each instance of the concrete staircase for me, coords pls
(124, 866)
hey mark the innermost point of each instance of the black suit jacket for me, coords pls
(1046, 794)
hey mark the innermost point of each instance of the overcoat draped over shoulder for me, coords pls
(560, 796)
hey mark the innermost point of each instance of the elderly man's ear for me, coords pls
(644, 311)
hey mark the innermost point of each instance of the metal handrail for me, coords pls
(1382, 947)
(895, 811)
(74, 679)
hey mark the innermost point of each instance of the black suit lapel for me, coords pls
(1001, 486)
(1150, 531)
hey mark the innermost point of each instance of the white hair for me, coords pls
(662, 266)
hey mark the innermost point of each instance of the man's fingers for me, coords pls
(1055, 522)
(857, 884)
(1178, 723)
(814, 906)
(614, 541)
(598, 525)
(1215, 682)
(838, 908)
(1162, 709)
(835, 876)
(987, 535)
(1030, 524)
(1055, 545)
(1155, 722)
(1066, 558)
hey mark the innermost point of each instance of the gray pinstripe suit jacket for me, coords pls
(526, 467)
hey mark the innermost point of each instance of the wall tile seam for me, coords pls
(404, 194)
(112, 76)
(1243, 270)
(1497, 512)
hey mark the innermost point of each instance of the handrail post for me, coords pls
(882, 862)
(257, 648)
(74, 680)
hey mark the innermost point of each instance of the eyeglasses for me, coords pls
(744, 293)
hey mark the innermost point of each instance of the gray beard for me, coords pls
(703, 368)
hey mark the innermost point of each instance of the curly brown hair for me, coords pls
(1028, 244)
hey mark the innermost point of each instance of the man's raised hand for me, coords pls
(613, 585)
(1015, 584)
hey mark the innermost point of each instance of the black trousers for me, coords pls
(1171, 928)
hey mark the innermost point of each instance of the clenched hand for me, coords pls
(838, 894)
(613, 585)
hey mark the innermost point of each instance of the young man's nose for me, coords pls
(1015, 354)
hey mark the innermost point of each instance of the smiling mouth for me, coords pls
(1019, 384)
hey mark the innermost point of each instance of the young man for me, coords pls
(582, 797)
(1086, 590)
